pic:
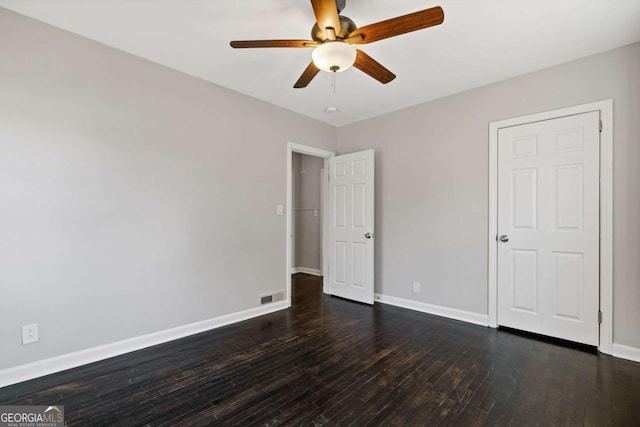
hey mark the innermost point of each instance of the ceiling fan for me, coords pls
(334, 36)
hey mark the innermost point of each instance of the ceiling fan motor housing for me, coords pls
(347, 26)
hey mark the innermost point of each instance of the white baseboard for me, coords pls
(626, 352)
(63, 362)
(306, 270)
(451, 313)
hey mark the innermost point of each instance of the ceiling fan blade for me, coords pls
(400, 25)
(326, 13)
(306, 77)
(370, 66)
(242, 44)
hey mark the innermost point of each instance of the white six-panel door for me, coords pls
(350, 229)
(548, 227)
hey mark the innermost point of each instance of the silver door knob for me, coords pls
(368, 235)
(504, 238)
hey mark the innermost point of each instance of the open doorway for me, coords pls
(306, 204)
(306, 216)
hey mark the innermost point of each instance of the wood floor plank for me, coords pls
(331, 362)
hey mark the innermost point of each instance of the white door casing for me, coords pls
(548, 207)
(350, 245)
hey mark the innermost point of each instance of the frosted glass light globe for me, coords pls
(334, 56)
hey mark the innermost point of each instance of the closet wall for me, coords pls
(307, 214)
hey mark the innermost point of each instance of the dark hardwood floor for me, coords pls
(332, 362)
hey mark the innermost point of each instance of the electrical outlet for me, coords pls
(29, 334)
(416, 287)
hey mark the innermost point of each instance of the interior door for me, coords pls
(350, 245)
(548, 227)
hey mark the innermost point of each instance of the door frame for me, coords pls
(605, 107)
(293, 147)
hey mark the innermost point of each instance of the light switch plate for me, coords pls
(279, 210)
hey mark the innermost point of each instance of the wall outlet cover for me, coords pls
(30, 334)
(416, 287)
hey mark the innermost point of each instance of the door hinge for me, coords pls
(600, 125)
(599, 317)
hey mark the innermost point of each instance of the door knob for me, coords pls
(504, 238)
(368, 235)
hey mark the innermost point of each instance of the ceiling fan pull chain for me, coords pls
(333, 82)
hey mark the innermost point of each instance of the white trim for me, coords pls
(312, 271)
(323, 204)
(606, 209)
(325, 231)
(451, 313)
(626, 352)
(311, 151)
(63, 362)
(492, 268)
(606, 226)
(292, 147)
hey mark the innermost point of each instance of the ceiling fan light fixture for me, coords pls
(335, 56)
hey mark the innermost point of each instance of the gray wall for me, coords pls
(307, 201)
(126, 202)
(432, 182)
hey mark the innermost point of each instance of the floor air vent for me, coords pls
(272, 297)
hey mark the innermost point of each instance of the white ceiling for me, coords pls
(479, 43)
